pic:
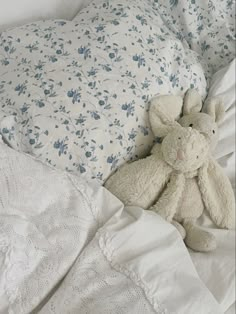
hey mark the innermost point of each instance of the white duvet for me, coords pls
(69, 246)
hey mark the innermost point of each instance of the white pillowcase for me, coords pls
(14, 12)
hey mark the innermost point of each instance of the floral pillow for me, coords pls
(75, 94)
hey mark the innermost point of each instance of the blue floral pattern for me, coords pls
(75, 94)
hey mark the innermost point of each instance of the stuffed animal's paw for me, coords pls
(200, 240)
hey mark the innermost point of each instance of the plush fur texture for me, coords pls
(180, 179)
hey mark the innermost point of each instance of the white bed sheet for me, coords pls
(217, 269)
(232, 309)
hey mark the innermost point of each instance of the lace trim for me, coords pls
(108, 250)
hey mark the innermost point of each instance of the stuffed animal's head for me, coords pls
(185, 149)
(205, 123)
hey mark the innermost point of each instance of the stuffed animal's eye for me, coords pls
(179, 138)
(191, 125)
(197, 157)
(213, 131)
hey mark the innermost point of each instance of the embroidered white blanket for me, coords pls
(69, 246)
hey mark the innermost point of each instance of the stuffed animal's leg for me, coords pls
(167, 204)
(198, 239)
(180, 228)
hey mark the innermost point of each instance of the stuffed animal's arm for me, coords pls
(217, 194)
(167, 204)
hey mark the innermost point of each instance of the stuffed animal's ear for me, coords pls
(163, 112)
(192, 102)
(215, 108)
(217, 194)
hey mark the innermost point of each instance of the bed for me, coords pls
(74, 101)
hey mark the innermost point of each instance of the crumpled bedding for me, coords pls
(75, 95)
(69, 246)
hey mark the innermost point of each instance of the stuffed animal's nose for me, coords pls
(180, 154)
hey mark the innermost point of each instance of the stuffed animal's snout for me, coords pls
(185, 149)
(180, 154)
